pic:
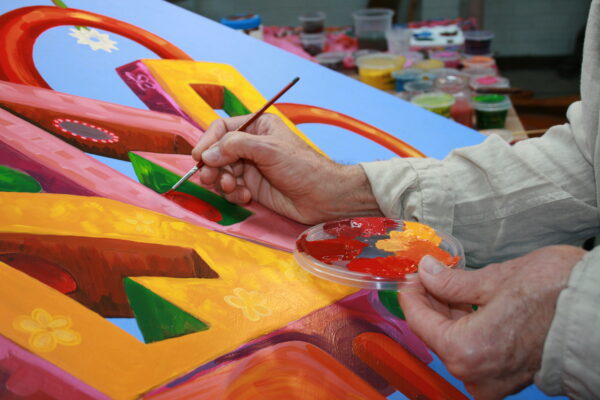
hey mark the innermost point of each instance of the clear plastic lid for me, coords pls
(478, 35)
(489, 81)
(380, 61)
(418, 86)
(491, 102)
(434, 100)
(374, 252)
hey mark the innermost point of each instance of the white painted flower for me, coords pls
(94, 39)
(253, 304)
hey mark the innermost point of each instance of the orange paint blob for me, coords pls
(194, 204)
(330, 250)
(417, 249)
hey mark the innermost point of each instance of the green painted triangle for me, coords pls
(161, 179)
(389, 298)
(232, 105)
(157, 318)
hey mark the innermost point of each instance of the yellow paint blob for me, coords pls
(400, 240)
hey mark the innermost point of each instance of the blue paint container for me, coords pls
(403, 76)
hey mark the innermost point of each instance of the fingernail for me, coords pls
(212, 154)
(431, 265)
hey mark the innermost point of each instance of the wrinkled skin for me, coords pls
(269, 163)
(497, 349)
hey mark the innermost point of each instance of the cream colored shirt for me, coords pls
(503, 201)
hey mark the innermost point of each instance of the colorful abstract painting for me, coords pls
(109, 290)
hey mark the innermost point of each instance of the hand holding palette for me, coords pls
(373, 252)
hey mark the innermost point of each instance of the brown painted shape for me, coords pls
(213, 95)
(99, 265)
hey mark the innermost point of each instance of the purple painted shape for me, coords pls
(139, 79)
(332, 329)
(27, 376)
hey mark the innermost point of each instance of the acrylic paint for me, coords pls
(451, 59)
(195, 205)
(479, 62)
(403, 76)
(491, 110)
(376, 69)
(437, 102)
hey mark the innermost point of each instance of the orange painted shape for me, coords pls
(291, 370)
(403, 370)
(304, 114)
(20, 28)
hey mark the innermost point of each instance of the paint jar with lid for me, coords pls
(479, 62)
(312, 22)
(415, 88)
(313, 43)
(458, 86)
(333, 60)
(429, 64)
(247, 23)
(376, 69)
(403, 76)
(437, 102)
(398, 40)
(370, 25)
(491, 110)
(478, 42)
(489, 82)
(451, 59)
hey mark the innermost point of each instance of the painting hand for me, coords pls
(269, 163)
(497, 349)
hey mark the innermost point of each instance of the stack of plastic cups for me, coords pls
(398, 40)
(370, 26)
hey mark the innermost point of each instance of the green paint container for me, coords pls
(437, 102)
(491, 110)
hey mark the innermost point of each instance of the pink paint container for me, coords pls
(451, 59)
(479, 62)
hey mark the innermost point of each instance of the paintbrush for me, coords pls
(245, 125)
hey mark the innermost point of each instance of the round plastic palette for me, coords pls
(373, 252)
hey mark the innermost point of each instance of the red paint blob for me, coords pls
(385, 267)
(195, 205)
(330, 250)
(42, 270)
(417, 249)
(361, 226)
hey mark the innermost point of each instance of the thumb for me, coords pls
(454, 286)
(233, 146)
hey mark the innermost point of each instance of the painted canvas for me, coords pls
(108, 290)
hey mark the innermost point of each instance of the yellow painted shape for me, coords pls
(400, 240)
(176, 77)
(268, 282)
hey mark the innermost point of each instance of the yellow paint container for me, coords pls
(376, 69)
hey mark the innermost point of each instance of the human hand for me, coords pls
(497, 349)
(269, 163)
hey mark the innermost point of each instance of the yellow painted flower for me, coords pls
(47, 331)
(252, 304)
(400, 240)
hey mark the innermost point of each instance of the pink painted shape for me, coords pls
(31, 377)
(67, 104)
(85, 172)
(139, 79)
(264, 226)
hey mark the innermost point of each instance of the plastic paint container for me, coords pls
(412, 57)
(313, 43)
(248, 23)
(415, 88)
(333, 60)
(491, 110)
(370, 25)
(403, 76)
(376, 69)
(312, 22)
(398, 40)
(429, 64)
(489, 81)
(479, 71)
(350, 252)
(437, 102)
(479, 62)
(478, 42)
(451, 59)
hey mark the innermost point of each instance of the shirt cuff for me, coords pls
(572, 347)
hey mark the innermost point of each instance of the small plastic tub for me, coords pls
(491, 110)
(437, 102)
(451, 59)
(333, 60)
(312, 22)
(429, 64)
(415, 88)
(403, 76)
(479, 71)
(478, 42)
(398, 40)
(370, 25)
(376, 69)
(412, 57)
(479, 62)
(313, 43)
(359, 259)
(489, 81)
(451, 83)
